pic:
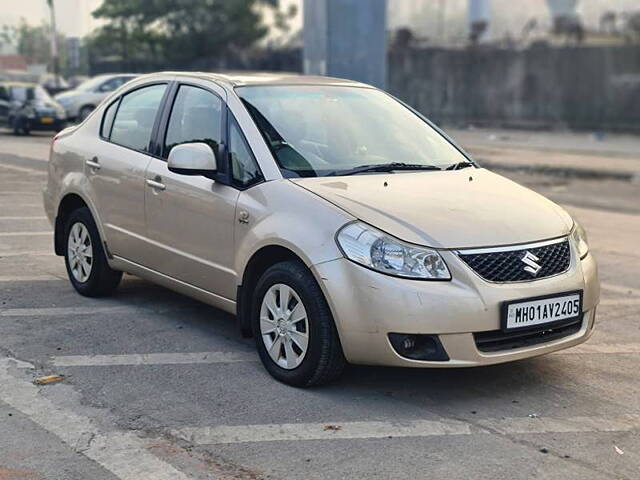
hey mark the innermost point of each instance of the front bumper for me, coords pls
(367, 306)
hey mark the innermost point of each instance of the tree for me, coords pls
(179, 32)
(32, 41)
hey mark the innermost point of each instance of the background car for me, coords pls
(80, 102)
(27, 106)
(77, 80)
(54, 84)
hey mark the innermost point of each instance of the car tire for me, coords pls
(84, 112)
(84, 256)
(279, 327)
(14, 124)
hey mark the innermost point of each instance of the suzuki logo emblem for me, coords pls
(530, 260)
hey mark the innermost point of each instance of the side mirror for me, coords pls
(192, 159)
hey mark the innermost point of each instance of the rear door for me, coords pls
(116, 170)
(190, 219)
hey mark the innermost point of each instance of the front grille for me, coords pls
(497, 340)
(507, 265)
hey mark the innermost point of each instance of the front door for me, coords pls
(116, 170)
(190, 219)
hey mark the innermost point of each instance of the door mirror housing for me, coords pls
(192, 159)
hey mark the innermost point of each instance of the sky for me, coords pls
(74, 16)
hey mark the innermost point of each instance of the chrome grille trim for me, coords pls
(504, 264)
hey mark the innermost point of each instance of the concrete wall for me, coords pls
(586, 88)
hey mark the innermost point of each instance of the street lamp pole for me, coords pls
(55, 65)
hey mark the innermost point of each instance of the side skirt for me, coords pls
(119, 263)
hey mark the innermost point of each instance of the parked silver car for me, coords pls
(80, 102)
(337, 223)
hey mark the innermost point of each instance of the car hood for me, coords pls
(71, 95)
(448, 209)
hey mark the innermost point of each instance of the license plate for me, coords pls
(46, 120)
(540, 310)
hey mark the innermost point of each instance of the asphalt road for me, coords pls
(159, 386)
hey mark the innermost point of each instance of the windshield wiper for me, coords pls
(460, 165)
(382, 167)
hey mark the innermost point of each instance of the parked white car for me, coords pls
(80, 102)
(336, 222)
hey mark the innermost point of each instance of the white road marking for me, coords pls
(124, 454)
(29, 278)
(23, 218)
(29, 205)
(27, 253)
(184, 358)
(67, 311)
(32, 171)
(7, 192)
(25, 234)
(320, 431)
(226, 434)
(153, 359)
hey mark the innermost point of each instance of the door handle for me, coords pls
(156, 185)
(93, 163)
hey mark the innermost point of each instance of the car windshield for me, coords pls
(24, 93)
(332, 130)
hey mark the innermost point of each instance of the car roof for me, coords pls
(239, 79)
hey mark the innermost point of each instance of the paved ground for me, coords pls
(158, 386)
(612, 155)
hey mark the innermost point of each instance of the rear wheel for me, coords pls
(84, 112)
(16, 126)
(85, 260)
(295, 334)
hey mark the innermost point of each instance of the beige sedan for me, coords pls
(337, 223)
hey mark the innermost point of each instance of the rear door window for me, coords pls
(107, 120)
(136, 115)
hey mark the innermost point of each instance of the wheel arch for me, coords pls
(258, 263)
(70, 202)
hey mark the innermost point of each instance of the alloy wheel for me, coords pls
(80, 252)
(284, 326)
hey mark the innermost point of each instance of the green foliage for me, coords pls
(32, 41)
(179, 31)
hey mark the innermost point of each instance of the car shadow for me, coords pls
(456, 388)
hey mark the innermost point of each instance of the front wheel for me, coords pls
(84, 256)
(294, 330)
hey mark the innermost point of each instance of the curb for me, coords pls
(568, 172)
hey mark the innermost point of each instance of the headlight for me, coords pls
(381, 252)
(579, 237)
